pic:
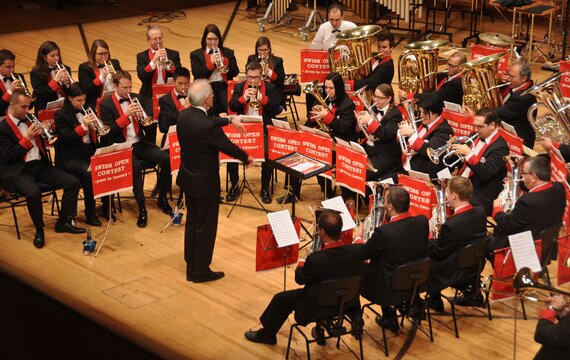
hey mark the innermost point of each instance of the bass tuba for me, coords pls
(418, 66)
(550, 116)
(479, 82)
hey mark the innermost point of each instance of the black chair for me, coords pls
(471, 257)
(333, 294)
(411, 276)
(149, 168)
(549, 251)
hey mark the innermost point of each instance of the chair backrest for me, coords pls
(337, 292)
(470, 256)
(549, 239)
(550, 234)
(411, 275)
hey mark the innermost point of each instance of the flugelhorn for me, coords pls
(222, 68)
(47, 132)
(165, 63)
(140, 115)
(97, 125)
(313, 89)
(68, 80)
(436, 154)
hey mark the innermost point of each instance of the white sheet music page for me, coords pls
(283, 228)
(524, 251)
(338, 204)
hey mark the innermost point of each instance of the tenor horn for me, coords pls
(313, 89)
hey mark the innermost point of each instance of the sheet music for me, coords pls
(55, 104)
(281, 124)
(342, 142)
(114, 147)
(509, 128)
(314, 131)
(357, 147)
(452, 106)
(283, 228)
(419, 175)
(338, 204)
(524, 252)
(444, 174)
(250, 119)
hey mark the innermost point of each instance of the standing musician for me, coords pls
(95, 74)
(485, 162)
(515, 106)
(121, 115)
(385, 152)
(541, 208)
(271, 66)
(7, 84)
(172, 103)
(215, 63)
(433, 132)
(553, 329)
(382, 64)
(77, 142)
(24, 164)
(48, 82)
(262, 94)
(466, 226)
(326, 35)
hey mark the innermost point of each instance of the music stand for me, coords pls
(243, 186)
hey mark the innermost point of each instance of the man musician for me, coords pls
(7, 84)
(553, 329)
(175, 101)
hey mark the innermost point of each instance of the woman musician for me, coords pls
(95, 75)
(271, 66)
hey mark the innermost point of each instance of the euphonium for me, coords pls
(254, 102)
(435, 154)
(418, 66)
(508, 197)
(97, 125)
(68, 79)
(164, 63)
(370, 110)
(313, 89)
(140, 115)
(47, 132)
(222, 68)
(439, 212)
(377, 210)
(479, 82)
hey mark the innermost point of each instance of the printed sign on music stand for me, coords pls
(251, 142)
(112, 172)
(314, 65)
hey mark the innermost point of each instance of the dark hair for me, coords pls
(181, 71)
(121, 74)
(99, 43)
(539, 166)
(431, 102)
(338, 83)
(386, 36)
(212, 28)
(336, 6)
(331, 223)
(387, 90)
(493, 117)
(399, 198)
(16, 95)
(462, 187)
(45, 48)
(74, 90)
(524, 70)
(253, 65)
(6, 55)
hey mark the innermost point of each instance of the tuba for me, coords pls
(479, 82)
(508, 197)
(47, 131)
(314, 89)
(418, 66)
(550, 116)
(439, 212)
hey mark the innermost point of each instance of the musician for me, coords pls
(485, 161)
(172, 103)
(77, 142)
(271, 66)
(119, 114)
(326, 35)
(254, 89)
(553, 329)
(466, 226)
(433, 132)
(24, 164)
(206, 64)
(94, 76)
(335, 260)
(48, 82)
(402, 240)
(541, 208)
(201, 140)
(385, 152)
(382, 64)
(515, 105)
(7, 84)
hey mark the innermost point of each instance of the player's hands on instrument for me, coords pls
(33, 130)
(61, 76)
(405, 128)
(249, 93)
(363, 117)
(461, 149)
(133, 109)
(318, 112)
(17, 85)
(159, 54)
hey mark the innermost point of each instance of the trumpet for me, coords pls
(19, 78)
(313, 89)
(435, 154)
(222, 68)
(140, 115)
(68, 79)
(47, 132)
(254, 102)
(498, 86)
(164, 63)
(97, 125)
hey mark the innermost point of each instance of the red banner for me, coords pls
(515, 143)
(479, 51)
(174, 151)
(565, 79)
(462, 124)
(251, 143)
(559, 173)
(563, 258)
(351, 169)
(314, 65)
(422, 195)
(268, 255)
(159, 91)
(318, 147)
(112, 172)
(281, 142)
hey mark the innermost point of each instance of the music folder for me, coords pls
(298, 165)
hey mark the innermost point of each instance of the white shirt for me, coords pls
(477, 151)
(154, 65)
(33, 153)
(216, 75)
(413, 139)
(131, 131)
(182, 100)
(85, 139)
(325, 36)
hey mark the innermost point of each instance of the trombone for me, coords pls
(97, 125)
(140, 115)
(525, 281)
(47, 132)
(165, 63)
(68, 78)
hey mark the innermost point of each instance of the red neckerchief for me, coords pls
(155, 72)
(540, 188)
(400, 217)
(97, 73)
(483, 149)
(521, 88)
(211, 66)
(430, 128)
(176, 100)
(20, 136)
(463, 209)
(121, 113)
(3, 87)
(261, 89)
(333, 245)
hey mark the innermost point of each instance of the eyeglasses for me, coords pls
(379, 97)
(102, 53)
(212, 39)
(526, 173)
(254, 77)
(481, 126)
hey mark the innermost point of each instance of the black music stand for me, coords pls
(243, 186)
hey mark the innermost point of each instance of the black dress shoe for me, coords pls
(261, 336)
(92, 220)
(210, 276)
(436, 304)
(471, 299)
(319, 334)
(67, 225)
(143, 218)
(285, 199)
(266, 196)
(232, 194)
(390, 324)
(39, 239)
(163, 204)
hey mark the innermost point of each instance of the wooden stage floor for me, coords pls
(136, 287)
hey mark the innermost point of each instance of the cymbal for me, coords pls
(496, 38)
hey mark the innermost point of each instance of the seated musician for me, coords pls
(553, 329)
(466, 226)
(94, 75)
(485, 161)
(382, 64)
(259, 98)
(272, 69)
(401, 240)
(7, 84)
(335, 260)
(124, 118)
(77, 142)
(433, 132)
(174, 102)
(24, 164)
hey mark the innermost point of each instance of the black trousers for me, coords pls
(35, 172)
(220, 89)
(79, 170)
(152, 154)
(200, 233)
(279, 309)
(266, 174)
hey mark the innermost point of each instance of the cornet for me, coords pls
(254, 102)
(369, 110)
(97, 125)
(68, 80)
(18, 78)
(222, 68)
(509, 195)
(110, 68)
(409, 106)
(47, 132)
(435, 154)
(263, 61)
(140, 115)
(164, 63)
